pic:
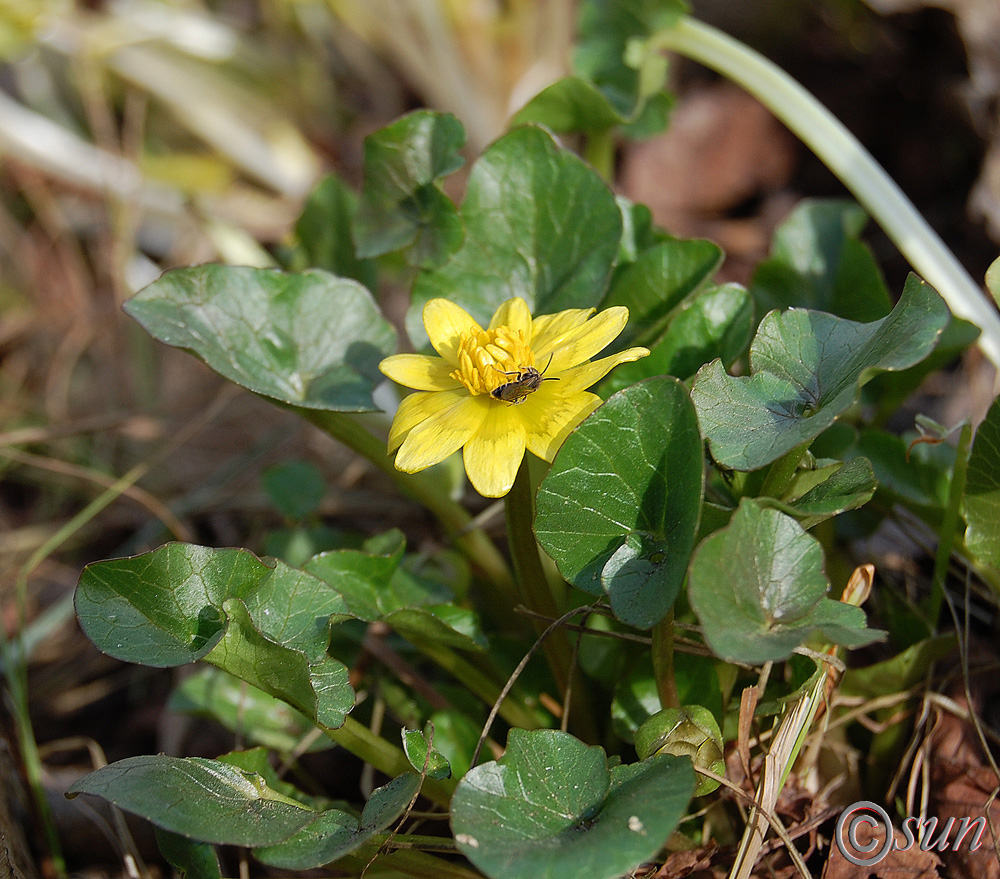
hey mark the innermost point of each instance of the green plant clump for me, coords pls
(673, 508)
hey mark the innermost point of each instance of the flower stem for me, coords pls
(600, 153)
(532, 584)
(663, 662)
(841, 152)
(474, 543)
(387, 758)
(781, 472)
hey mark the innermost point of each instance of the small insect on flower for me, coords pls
(485, 394)
(527, 382)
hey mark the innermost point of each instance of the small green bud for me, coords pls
(690, 731)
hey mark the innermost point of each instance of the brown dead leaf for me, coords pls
(910, 864)
(691, 864)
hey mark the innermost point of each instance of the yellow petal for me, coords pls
(586, 374)
(416, 408)
(493, 455)
(420, 371)
(445, 322)
(513, 313)
(444, 432)
(549, 327)
(582, 342)
(549, 418)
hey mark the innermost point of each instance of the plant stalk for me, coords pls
(473, 542)
(843, 154)
(663, 662)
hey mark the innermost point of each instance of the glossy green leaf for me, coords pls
(336, 833)
(618, 510)
(818, 261)
(296, 488)
(549, 809)
(324, 231)
(401, 203)
(310, 339)
(256, 716)
(659, 280)
(202, 799)
(419, 748)
(191, 860)
(539, 224)
(456, 737)
(715, 323)
(806, 369)
(266, 623)
(382, 587)
(759, 589)
(982, 490)
(847, 488)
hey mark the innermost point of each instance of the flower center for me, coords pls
(488, 359)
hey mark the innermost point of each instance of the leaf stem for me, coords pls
(600, 153)
(455, 519)
(404, 862)
(386, 757)
(949, 523)
(781, 472)
(663, 662)
(841, 152)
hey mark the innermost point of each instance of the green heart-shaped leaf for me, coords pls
(312, 339)
(401, 204)
(806, 369)
(618, 510)
(539, 224)
(203, 799)
(549, 808)
(759, 589)
(818, 261)
(266, 623)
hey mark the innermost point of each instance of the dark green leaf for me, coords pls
(898, 674)
(191, 860)
(847, 488)
(310, 339)
(982, 490)
(919, 476)
(759, 589)
(378, 587)
(818, 261)
(806, 370)
(549, 808)
(618, 510)
(198, 798)
(267, 624)
(324, 231)
(659, 280)
(539, 224)
(401, 204)
(335, 833)
(715, 323)
(296, 488)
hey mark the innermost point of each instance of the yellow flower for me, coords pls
(518, 384)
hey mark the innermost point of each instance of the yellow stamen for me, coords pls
(485, 357)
